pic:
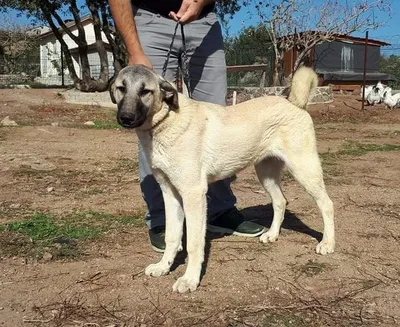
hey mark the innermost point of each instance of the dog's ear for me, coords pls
(111, 88)
(169, 94)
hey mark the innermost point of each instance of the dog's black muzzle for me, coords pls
(129, 118)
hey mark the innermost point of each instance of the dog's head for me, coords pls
(139, 94)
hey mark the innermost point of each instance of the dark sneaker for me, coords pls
(157, 238)
(232, 222)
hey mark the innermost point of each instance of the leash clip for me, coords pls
(185, 59)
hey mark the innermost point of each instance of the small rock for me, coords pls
(50, 189)
(15, 206)
(1, 308)
(89, 123)
(54, 124)
(8, 122)
(47, 256)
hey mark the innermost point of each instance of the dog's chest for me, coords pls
(156, 154)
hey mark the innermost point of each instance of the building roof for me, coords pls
(68, 25)
(355, 77)
(355, 39)
(349, 38)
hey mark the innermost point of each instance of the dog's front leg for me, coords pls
(194, 203)
(173, 231)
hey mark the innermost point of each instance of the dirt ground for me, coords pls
(73, 245)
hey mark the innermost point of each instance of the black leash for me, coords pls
(185, 59)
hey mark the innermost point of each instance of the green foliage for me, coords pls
(228, 8)
(43, 227)
(251, 46)
(59, 235)
(391, 65)
(358, 149)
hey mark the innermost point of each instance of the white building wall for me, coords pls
(50, 55)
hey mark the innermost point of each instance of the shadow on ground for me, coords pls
(261, 214)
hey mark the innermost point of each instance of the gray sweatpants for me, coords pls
(208, 83)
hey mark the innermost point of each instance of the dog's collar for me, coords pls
(158, 118)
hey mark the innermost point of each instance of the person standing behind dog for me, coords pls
(146, 27)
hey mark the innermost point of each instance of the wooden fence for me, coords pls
(250, 68)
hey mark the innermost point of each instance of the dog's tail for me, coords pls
(304, 81)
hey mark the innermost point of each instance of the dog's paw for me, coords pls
(185, 284)
(269, 236)
(157, 269)
(325, 247)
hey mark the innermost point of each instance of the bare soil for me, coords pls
(72, 168)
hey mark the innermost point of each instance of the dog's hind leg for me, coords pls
(174, 217)
(306, 169)
(269, 173)
(195, 206)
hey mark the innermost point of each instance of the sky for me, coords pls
(391, 28)
(389, 33)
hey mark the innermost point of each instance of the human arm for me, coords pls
(122, 14)
(190, 10)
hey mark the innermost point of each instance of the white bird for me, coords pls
(368, 90)
(378, 89)
(374, 97)
(390, 100)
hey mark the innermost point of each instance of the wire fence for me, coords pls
(52, 70)
(42, 67)
(261, 55)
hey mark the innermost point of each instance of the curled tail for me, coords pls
(304, 81)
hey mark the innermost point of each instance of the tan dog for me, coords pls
(190, 144)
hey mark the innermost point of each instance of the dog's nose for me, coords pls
(127, 119)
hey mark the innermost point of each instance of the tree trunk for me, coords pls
(85, 82)
(275, 72)
(117, 46)
(278, 65)
(102, 81)
(64, 49)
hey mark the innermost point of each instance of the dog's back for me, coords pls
(304, 81)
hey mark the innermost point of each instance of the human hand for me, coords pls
(189, 11)
(140, 59)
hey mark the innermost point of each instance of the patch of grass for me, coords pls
(370, 235)
(311, 268)
(44, 227)
(282, 320)
(59, 236)
(109, 124)
(329, 165)
(129, 164)
(352, 148)
(28, 171)
(102, 218)
(252, 181)
(94, 191)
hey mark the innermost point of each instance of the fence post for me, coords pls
(234, 98)
(62, 70)
(262, 83)
(365, 70)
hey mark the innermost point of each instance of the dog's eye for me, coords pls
(121, 89)
(145, 92)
